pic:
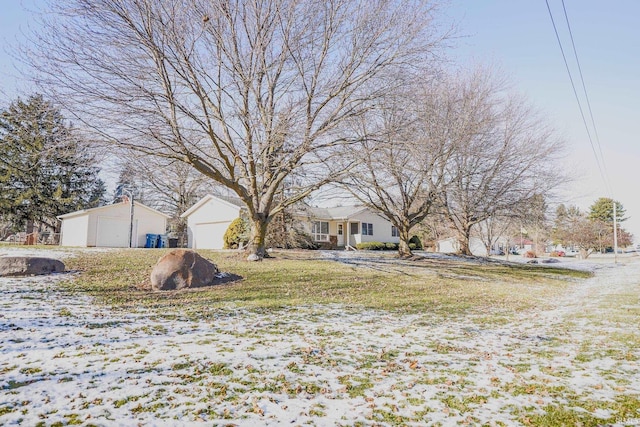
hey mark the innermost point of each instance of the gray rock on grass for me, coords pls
(29, 266)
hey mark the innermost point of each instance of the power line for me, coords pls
(584, 88)
(599, 160)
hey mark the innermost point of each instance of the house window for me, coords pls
(339, 229)
(394, 231)
(367, 229)
(354, 228)
(320, 231)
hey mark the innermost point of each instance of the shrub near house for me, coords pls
(237, 234)
(414, 243)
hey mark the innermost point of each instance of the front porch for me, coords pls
(336, 235)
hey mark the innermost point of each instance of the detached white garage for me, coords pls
(108, 226)
(208, 220)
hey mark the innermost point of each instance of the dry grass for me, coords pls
(302, 278)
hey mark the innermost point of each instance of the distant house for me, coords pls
(344, 226)
(478, 248)
(109, 226)
(451, 245)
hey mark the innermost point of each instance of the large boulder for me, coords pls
(182, 268)
(29, 266)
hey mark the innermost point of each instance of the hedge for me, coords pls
(379, 246)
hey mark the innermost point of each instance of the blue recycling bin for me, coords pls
(163, 241)
(152, 241)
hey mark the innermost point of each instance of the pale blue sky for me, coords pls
(517, 35)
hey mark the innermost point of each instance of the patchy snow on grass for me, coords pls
(64, 359)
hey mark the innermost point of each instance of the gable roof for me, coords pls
(106, 207)
(337, 213)
(230, 201)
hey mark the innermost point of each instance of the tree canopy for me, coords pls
(45, 170)
(590, 232)
(250, 93)
(602, 210)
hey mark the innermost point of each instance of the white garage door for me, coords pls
(112, 232)
(209, 235)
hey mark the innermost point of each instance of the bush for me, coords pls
(529, 254)
(301, 240)
(415, 240)
(377, 246)
(236, 234)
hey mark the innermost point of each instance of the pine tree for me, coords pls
(45, 170)
(602, 210)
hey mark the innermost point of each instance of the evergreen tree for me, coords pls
(602, 210)
(45, 171)
(130, 183)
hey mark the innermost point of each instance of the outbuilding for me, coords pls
(110, 226)
(208, 220)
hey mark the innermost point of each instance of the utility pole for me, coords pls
(615, 233)
(130, 194)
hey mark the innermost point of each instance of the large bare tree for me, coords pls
(507, 158)
(407, 141)
(251, 93)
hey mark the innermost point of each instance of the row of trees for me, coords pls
(456, 148)
(593, 230)
(274, 99)
(47, 171)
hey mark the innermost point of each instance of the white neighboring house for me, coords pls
(452, 246)
(344, 226)
(476, 245)
(108, 226)
(208, 220)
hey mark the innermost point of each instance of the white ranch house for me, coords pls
(108, 226)
(344, 226)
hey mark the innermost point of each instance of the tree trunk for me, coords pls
(256, 250)
(404, 251)
(464, 243)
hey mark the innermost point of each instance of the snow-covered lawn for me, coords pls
(66, 360)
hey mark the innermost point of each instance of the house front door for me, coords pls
(340, 235)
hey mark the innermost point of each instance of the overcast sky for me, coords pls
(518, 37)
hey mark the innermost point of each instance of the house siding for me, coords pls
(82, 229)
(216, 215)
(451, 245)
(381, 228)
(74, 231)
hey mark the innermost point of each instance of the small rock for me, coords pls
(253, 257)
(29, 266)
